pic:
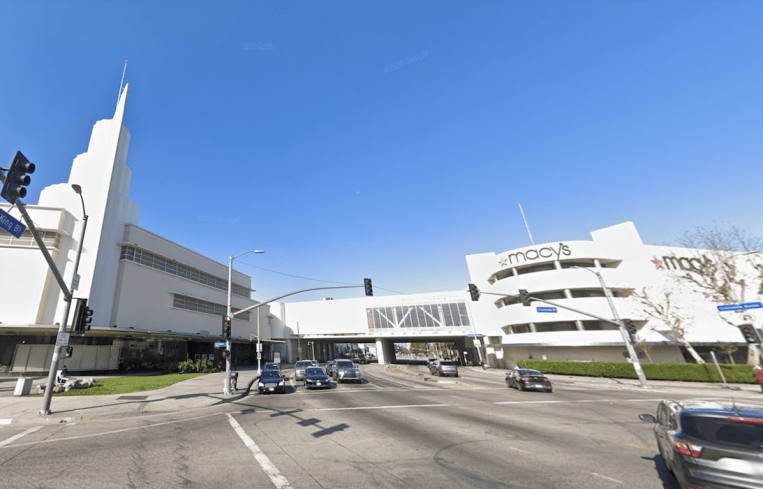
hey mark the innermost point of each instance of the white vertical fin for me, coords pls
(528, 227)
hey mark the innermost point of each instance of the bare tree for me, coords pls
(663, 310)
(728, 349)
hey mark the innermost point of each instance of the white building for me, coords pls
(152, 299)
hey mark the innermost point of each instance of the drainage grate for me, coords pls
(132, 398)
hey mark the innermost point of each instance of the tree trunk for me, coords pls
(753, 357)
(692, 352)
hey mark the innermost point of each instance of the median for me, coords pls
(126, 385)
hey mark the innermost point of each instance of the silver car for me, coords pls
(443, 367)
(300, 367)
(345, 370)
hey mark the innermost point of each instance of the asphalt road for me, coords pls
(405, 429)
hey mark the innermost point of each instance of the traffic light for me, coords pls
(68, 352)
(226, 354)
(17, 179)
(367, 285)
(750, 335)
(524, 297)
(474, 292)
(226, 328)
(83, 316)
(630, 328)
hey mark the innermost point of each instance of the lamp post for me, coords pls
(623, 332)
(47, 396)
(226, 390)
(312, 343)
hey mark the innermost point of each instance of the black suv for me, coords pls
(710, 443)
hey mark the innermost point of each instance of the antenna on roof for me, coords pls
(525, 219)
(122, 82)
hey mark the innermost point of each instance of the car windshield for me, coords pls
(315, 371)
(269, 375)
(726, 431)
(303, 364)
(344, 363)
(529, 372)
(271, 365)
(448, 363)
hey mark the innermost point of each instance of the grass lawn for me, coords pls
(124, 385)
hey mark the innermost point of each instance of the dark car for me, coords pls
(330, 367)
(271, 381)
(316, 377)
(710, 443)
(272, 366)
(443, 367)
(524, 379)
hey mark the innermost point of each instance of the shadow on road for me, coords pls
(668, 481)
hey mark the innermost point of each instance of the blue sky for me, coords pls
(390, 139)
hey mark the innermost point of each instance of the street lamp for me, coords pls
(47, 396)
(226, 390)
(313, 345)
(623, 332)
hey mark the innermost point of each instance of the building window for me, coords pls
(172, 267)
(51, 239)
(578, 263)
(205, 307)
(536, 268)
(448, 315)
(521, 328)
(598, 326)
(555, 326)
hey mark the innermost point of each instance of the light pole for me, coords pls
(623, 332)
(46, 398)
(226, 390)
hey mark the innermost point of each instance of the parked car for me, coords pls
(272, 366)
(524, 379)
(346, 370)
(444, 367)
(316, 377)
(330, 367)
(710, 443)
(271, 381)
(300, 367)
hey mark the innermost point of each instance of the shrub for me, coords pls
(689, 372)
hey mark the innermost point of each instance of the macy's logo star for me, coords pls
(657, 263)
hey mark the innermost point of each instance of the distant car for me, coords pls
(316, 377)
(444, 367)
(346, 370)
(524, 379)
(430, 361)
(300, 367)
(271, 381)
(330, 367)
(710, 443)
(272, 366)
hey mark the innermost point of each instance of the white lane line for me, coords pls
(14, 438)
(380, 407)
(606, 478)
(518, 450)
(579, 401)
(275, 476)
(6, 421)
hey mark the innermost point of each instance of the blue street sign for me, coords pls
(475, 335)
(10, 224)
(545, 309)
(740, 307)
(221, 344)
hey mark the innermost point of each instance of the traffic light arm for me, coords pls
(233, 314)
(612, 321)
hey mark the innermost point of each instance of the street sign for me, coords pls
(475, 335)
(545, 309)
(220, 344)
(11, 225)
(259, 355)
(740, 307)
(62, 339)
(259, 347)
(75, 282)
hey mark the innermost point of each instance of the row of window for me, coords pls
(51, 239)
(556, 326)
(443, 315)
(544, 267)
(159, 263)
(198, 305)
(551, 295)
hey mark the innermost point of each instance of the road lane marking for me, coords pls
(380, 407)
(6, 421)
(518, 450)
(606, 478)
(16, 437)
(275, 476)
(579, 401)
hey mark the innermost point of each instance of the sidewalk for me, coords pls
(199, 392)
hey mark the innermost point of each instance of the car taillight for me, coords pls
(745, 420)
(440, 367)
(546, 379)
(524, 378)
(689, 449)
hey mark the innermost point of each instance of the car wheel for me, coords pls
(665, 461)
(455, 375)
(521, 386)
(549, 390)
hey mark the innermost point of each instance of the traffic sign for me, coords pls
(545, 309)
(62, 339)
(740, 307)
(10, 224)
(220, 344)
(475, 335)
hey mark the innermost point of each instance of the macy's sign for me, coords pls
(539, 253)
